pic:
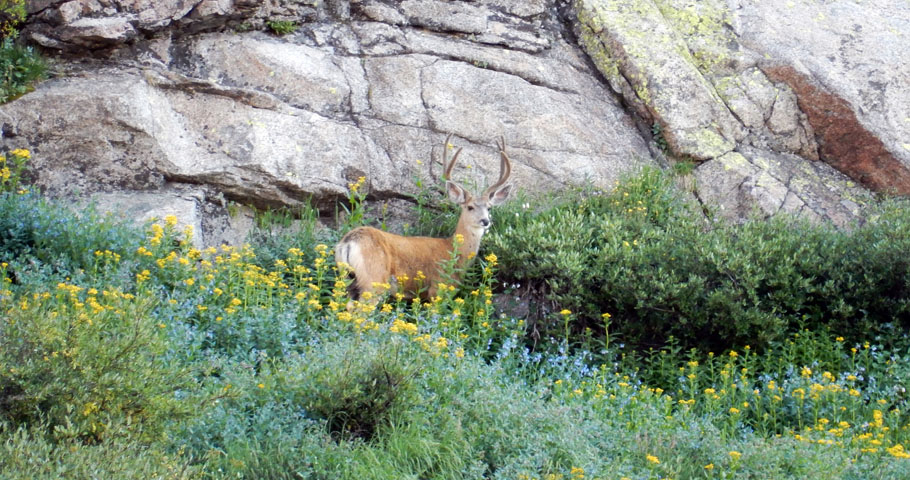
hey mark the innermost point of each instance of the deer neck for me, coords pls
(471, 235)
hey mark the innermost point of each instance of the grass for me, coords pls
(282, 27)
(244, 365)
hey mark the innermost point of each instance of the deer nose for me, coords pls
(485, 222)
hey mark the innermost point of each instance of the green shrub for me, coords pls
(20, 68)
(251, 433)
(355, 394)
(319, 413)
(278, 230)
(869, 273)
(381, 405)
(87, 363)
(644, 255)
(44, 242)
(11, 170)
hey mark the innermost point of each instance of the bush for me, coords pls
(11, 170)
(282, 27)
(870, 269)
(86, 363)
(355, 393)
(43, 243)
(644, 255)
(278, 230)
(381, 405)
(20, 68)
(26, 455)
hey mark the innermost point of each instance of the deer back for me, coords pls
(407, 264)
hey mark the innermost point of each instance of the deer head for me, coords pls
(475, 210)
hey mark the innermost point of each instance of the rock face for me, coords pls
(756, 92)
(79, 24)
(275, 121)
(847, 64)
(176, 106)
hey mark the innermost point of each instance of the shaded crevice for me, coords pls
(733, 113)
(704, 206)
(351, 114)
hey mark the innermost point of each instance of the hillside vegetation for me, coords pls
(660, 345)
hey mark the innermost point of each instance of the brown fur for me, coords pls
(382, 257)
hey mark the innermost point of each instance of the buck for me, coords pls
(413, 266)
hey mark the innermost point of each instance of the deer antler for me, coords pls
(446, 165)
(505, 168)
(445, 153)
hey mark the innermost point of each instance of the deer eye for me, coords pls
(470, 208)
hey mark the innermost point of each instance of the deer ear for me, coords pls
(456, 193)
(500, 195)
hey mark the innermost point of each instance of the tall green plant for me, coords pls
(357, 196)
(20, 68)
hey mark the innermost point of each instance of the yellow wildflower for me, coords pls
(21, 152)
(898, 451)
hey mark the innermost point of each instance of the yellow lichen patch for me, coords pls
(702, 25)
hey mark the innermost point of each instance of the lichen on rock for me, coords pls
(640, 52)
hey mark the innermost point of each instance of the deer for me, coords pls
(414, 266)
